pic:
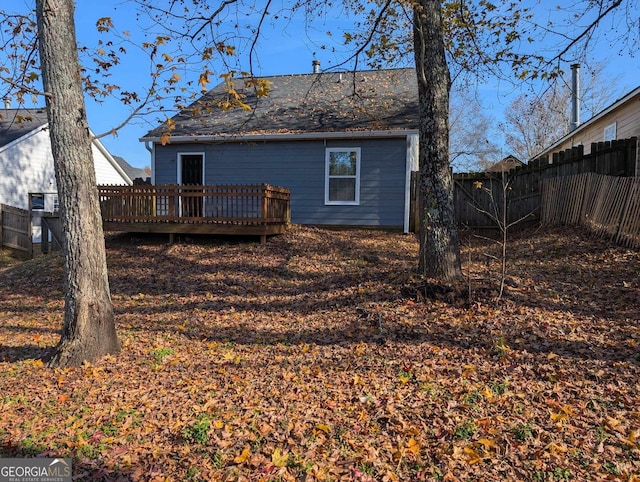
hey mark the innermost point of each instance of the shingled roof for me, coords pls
(15, 123)
(132, 172)
(378, 100)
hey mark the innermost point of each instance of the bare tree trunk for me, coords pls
(89, 325)
(439, 251)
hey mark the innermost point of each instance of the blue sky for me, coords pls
(287, 51)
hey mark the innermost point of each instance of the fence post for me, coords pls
(631, 156)
(44, 236)
(30, 226)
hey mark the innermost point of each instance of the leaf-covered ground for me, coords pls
(320, 356)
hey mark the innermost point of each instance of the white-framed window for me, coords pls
(610, 132)
(342, 175)
(37, 202)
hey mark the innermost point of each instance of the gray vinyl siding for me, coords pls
(300, 166)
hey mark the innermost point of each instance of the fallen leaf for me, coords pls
(242, 458)
(278, 458)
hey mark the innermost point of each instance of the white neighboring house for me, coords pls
(26, 163)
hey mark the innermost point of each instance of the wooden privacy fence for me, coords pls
(615, 158)
(472, 199)
(608, 205)
(15, 229)
(612, 158)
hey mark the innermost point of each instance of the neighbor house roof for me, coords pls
(621, 101)
(15, 123)
(132, 172)
(328, 102)
(505, 165)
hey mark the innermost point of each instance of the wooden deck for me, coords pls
(256, 210)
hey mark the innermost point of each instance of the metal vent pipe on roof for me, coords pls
(316, 66)
(7, 102)
(575, 96)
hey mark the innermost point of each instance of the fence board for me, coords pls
(15, 231)
(628, 233)
(609, 205)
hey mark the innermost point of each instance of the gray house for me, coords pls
(343, 143)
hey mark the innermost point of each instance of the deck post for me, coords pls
(172, 206)
(265, 192)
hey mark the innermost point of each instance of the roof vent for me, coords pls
(7, 102)
(575, 96)
(316, 66)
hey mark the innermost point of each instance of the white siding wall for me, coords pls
(26, 166)
(106, 173)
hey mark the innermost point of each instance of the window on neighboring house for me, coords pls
(342, 175)
(610, 132)
(37, 202)
(56, 204)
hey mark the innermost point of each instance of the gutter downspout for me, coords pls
(149, 147)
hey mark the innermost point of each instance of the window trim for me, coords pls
(327, 177)
(32, 201)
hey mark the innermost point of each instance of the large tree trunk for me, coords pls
(89, 325)
(439, 251)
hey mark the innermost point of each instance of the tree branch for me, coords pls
(265, 12)
(355, 56)
(210, 19)
(587, 30)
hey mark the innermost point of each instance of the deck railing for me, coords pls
(257, 205)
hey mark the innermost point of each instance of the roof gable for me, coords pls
(15, 123)
(306, 103)
(132, 172)
(505, 165)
